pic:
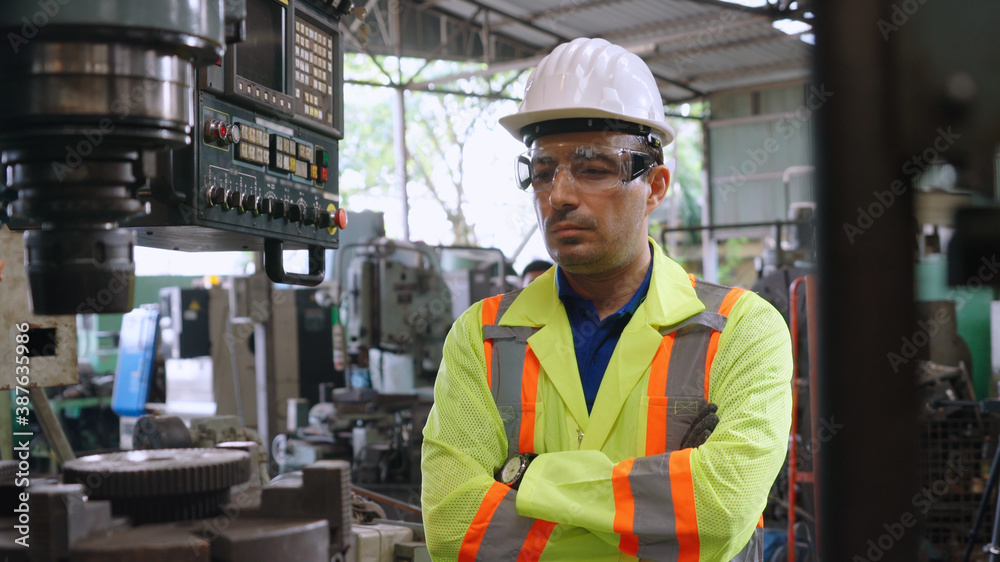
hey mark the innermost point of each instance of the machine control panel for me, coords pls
(265, 164)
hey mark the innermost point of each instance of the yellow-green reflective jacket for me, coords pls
(610, 485)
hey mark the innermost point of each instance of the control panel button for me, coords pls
(309, 216)
(294, 212)
(325, 220)
(219, 132)
(235, 200)
(217, 197)
(250, 203)
(264, 206)
(277, 209)
(340, 218)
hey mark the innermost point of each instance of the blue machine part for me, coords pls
(136, 351)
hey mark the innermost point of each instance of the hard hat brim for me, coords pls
(516, 123)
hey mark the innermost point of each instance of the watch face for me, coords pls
(509, 471)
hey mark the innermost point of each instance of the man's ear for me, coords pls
(659, 182)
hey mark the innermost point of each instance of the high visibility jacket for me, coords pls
(610, 485)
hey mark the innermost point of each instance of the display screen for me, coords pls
(261, 58)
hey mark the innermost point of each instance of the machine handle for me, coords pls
(274, 265)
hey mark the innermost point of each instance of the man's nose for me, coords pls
(563, 193)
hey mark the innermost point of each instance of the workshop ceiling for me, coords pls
(694, 47)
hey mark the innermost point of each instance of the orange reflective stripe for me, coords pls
(477, 529)
(725, 308)
(489, 315)
(685, 514)
(529, 395)
(713, 346)
(694, 280)
(760, 522)
(538, 537)
(730, 301)
(656, 413)
(624, 507)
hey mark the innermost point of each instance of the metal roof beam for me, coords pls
(768, 12)
(569, 8)
(517, 20)
(722, 75)
(664, 32)
(520, 64)
(728, 46)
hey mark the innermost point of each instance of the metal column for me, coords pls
(399, 118)
(868, 455)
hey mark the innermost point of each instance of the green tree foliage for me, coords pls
(438, 128)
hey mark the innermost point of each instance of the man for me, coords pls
(533, 271)
(576, 418)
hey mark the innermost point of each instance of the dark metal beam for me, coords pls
(868, 467)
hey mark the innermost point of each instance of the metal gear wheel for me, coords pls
(161, 485)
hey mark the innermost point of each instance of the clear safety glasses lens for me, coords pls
(588, 167)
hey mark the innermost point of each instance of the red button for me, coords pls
(324, 174)
(340, 218)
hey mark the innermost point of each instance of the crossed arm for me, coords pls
(701, 503)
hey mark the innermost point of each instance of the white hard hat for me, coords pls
(597, 85)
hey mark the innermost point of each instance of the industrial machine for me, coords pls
(180, 504)
(398, 311)
(188, 125)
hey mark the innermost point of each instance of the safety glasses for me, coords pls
(588, 167)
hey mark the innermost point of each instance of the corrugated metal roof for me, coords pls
(694, 47)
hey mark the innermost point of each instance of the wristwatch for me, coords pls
(513, 470)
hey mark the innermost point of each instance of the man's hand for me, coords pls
(702, 426)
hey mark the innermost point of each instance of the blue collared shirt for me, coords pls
(595, 339)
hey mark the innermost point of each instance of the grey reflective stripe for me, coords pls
(510, 358)
(506, 532)
(505, 302)
(509, 349)
(686, 382)
(654, 503)
(666, 550)
(713, 320)
(517, 333)
(686, 377)
(711, 294)
(754, 550)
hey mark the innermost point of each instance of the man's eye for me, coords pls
(593, 172)
(541, 175)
